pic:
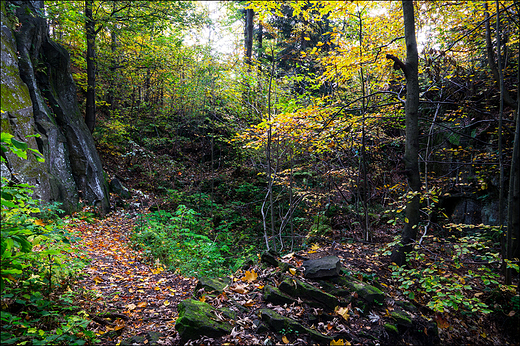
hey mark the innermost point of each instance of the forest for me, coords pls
(260, 172)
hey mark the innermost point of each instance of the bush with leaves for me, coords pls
(35, 267)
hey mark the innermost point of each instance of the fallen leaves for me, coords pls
(123, 282)
(250, 276)
(343, 312)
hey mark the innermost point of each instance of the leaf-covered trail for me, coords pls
(124, 295)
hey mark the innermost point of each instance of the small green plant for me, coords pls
(178, 240)
(35, 267)
(443, 284)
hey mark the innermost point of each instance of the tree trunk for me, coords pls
(513, 218)
(491, 60)
(113, 71)
(90, 113)
(248, 35)
(411, 154)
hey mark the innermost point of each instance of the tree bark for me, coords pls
(513, 217)
(411, 155)
(491, 61)
(90, 110)
(248, 37)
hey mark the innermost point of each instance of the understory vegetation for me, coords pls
(37, 267)
(293, 143)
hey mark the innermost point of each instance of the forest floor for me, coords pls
(126, 295)
(123, 293)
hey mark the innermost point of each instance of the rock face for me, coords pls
(39, 97)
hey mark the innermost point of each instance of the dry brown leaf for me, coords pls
(285, 340)
(142, 304)
(131, 306)
(343, 312)
(250, 276)
(239, 289)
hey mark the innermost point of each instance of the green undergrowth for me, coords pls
(187, 244)
(455, 274)
(37, 308)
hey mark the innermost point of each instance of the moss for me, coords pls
(197, 318)
(278, 323)
(402, 318)
(391, 328)
(297, 288)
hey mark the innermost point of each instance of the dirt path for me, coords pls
(125, 295)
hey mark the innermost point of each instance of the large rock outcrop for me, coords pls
(39, 97)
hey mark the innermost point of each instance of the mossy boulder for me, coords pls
(368, 292)
(197, 319)
(278, 323)
(391, 328)
(401, 318)
(270, 257)
(212, 285)
(275, 296)
(296, 288)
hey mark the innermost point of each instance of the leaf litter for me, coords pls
(123, 293)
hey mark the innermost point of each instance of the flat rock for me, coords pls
(197, 319)
(299, 289)
(278, 323)
(212, 285)
(322, 267)
(275, 296)
(368, 292)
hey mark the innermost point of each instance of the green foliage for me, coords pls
(35, 263)
(178, 239)
(445, 285)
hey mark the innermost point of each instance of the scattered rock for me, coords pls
(118, 188)
(323, 267)
(150, 338)
(275, 296)
(269, 257)
(405, 305)
(297, 288)
(212, 285)
(278, 323)
(308, 306)
(368, 292)
(197, 318)
(391, 328)
(402, 318)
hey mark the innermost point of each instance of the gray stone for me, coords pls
(296, 288)
(368, 292)
(118, 188)
(45, 104)
(212, 285)
(323, 267)
(197, 319)
(467, 211)
(278, 323)
(275, 296)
